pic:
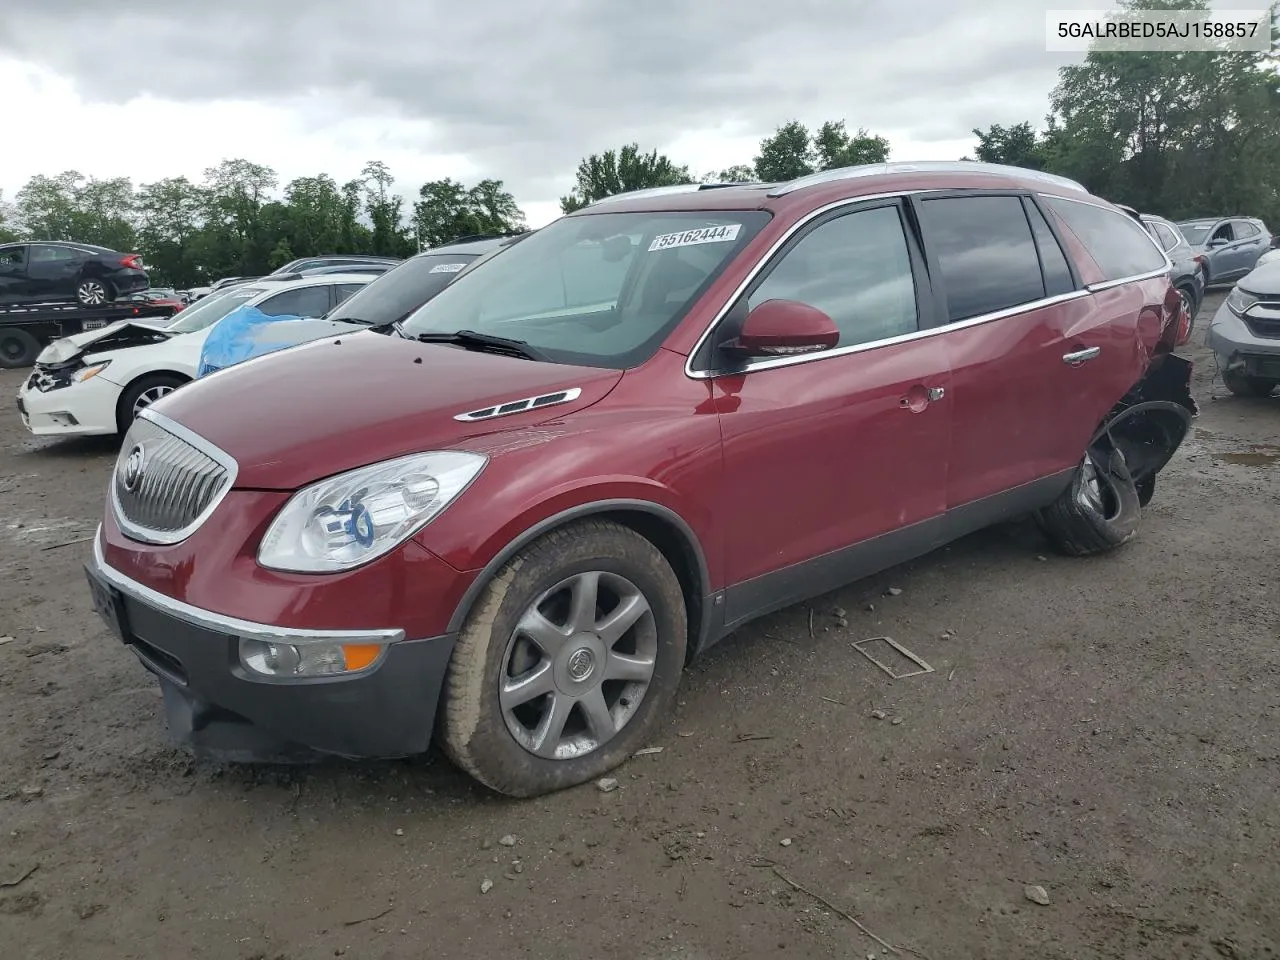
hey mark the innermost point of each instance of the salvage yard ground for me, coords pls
(1105, 729)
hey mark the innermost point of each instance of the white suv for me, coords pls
(94, 383)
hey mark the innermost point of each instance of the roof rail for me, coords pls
(673, 189)
(922, 166)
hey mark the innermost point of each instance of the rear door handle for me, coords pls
(1077, 357)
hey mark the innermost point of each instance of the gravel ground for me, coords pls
(1104, 729)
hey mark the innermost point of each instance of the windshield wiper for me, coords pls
(481, 341)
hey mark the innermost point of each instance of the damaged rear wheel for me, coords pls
(1099, 511)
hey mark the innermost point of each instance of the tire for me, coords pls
(1191, 302)
(1243, 385)
(1099, 511)
(142, 393)
(91, 292)
(479, 734)
(17, 348)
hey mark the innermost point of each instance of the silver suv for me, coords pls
(1227, 247)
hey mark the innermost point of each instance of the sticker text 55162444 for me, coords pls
(446, 268)
(687, 238)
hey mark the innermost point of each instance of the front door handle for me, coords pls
(1077, 357)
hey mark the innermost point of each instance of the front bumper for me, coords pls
(79, 410)
(1231, 339)
(220, 710)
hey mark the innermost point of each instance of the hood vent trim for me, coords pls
(524, 405)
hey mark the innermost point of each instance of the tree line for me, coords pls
(1178, 134)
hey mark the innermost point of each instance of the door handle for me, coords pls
(1077, 357)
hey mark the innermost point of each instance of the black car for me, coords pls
(53, 272)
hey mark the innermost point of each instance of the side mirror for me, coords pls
(1217, 242)
(780, 328)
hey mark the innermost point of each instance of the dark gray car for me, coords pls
(1187, 274)
(1230, 246)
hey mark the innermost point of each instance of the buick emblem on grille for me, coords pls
(132, 475)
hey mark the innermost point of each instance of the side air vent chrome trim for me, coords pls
(521, 406)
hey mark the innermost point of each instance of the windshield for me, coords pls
(600, 290)
(1196, 232)
(211, 309)
(398, 292)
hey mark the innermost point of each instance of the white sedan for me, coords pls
(95, 383)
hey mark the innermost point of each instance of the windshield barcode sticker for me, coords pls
(687, 238)
(446, 268)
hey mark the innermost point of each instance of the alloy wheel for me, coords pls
(1097, 492)
(91, 293)
(578, 665)
(149, 396)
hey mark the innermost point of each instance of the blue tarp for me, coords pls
(241, 335)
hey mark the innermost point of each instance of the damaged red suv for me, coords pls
(510, 520)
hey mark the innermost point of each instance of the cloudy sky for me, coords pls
(514, 89)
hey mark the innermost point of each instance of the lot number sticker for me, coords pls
(446, 268)
(687, 238)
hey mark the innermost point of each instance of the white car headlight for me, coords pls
(357, 516)
(1238, 301)
(88, 373)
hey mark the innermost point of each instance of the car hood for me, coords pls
(115, 336)
(1263, 281)
(299, 415)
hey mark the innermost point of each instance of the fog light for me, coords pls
(306, 659)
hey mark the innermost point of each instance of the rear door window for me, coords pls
(985, 252)
(1121, 248)
(1245, 230)
(1166, 236)
(1057, 274)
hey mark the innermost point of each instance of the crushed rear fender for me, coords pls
(1153, 418)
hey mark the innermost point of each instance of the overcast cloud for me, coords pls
(515, 89)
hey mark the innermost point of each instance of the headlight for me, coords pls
(355, 517)
(88, 373)
(1238, 301)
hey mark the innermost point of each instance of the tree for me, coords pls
(448, 210)
(612, 172)
(8, 224)
(171, 216)
(72, 207)
(315, 214)
(833, 147)
(385, 210)
(1017, 146)
(785, 155)
(738, 173)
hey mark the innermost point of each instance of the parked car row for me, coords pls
(97, 382)
(507, 515)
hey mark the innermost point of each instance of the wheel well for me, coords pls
(675, 546)
(150, 375)
(666, 532)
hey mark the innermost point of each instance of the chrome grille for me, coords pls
(167, 480)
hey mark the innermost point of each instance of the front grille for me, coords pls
(164, 486)
(1265, 327)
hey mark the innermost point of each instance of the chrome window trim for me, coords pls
(799, 225)
(168, 538)
(1107, 284)
(233, 626)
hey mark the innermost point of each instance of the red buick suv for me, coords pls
(509, 520)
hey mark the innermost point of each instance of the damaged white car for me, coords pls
(95, 383)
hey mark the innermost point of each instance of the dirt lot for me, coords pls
(1105, 729)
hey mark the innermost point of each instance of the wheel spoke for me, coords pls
(582, 608)
(547, 737)
(622, 666)
(541, 631)
(598, 717)
(528, 686)
(612, 628)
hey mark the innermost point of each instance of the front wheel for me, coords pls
(1100, 510)
(568, 661)
(141, 394)
(93, 293)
